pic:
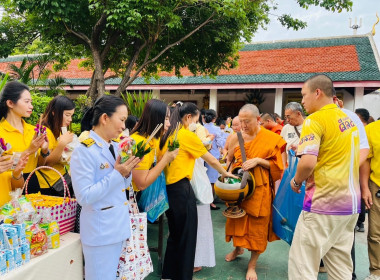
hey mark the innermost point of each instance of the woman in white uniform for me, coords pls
(100, 182)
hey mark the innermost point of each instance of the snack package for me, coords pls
(36, 236)
(14, 199)
(26, 206)
(17, 256)
(52, 231)
(9, 257)
(51, 228)
(3, 263)
(25, 252)
(38, 240)
(8, 209)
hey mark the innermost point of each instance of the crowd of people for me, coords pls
(339, 153)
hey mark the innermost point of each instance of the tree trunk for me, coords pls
(98, 87)
(92, 88)
(122, 86)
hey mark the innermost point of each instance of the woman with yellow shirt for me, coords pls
(16, 104)
(58, 114)
(10, 180)
(155, 112)
(182, 213)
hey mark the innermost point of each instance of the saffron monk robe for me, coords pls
(263, 149)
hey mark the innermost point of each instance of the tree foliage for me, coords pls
(127, 38)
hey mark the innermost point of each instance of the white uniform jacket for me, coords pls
(100, 190)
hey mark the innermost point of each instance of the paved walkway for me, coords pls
(272, 264)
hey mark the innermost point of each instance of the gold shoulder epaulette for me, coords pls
(88, 142)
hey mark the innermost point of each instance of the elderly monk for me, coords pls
(264, 159)
(236, 128)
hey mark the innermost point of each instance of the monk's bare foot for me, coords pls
(196, 269)
(233, 255)
(251, 273)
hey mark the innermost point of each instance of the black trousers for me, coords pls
(183, 224)
(361, 218)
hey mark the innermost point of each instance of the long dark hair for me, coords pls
(154, 113)
(176, 116)
(12, 91)
(210, 115)
(106, 104)
(53, 115)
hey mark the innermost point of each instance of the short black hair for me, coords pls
(363, 114)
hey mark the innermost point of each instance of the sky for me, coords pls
(322, 23)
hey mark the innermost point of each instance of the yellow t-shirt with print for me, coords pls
(333, 188)
(148, 160)
(5, 187)
(190, 148)
(373, 135)
(50, 175)
(20, 141)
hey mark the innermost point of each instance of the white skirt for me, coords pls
(205, 251)
(101, 261)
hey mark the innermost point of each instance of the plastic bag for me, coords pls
(287, 204)
(201, 183)
(154, 200)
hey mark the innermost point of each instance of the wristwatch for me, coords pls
(296, 184)
(45, 155)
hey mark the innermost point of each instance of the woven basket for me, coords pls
(65, 213)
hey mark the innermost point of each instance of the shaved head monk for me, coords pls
(236, 128)
(269, 122)
(263, 149)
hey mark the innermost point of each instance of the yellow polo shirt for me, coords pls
(148, 159)
(190, 148)
(19, 141)
(5, 187)
(51, 176)
(373, 135)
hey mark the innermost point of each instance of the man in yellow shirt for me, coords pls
(370, 187)
(329, 151)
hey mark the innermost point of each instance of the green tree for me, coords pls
(56, 86)
(126, 38)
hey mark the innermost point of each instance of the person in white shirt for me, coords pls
(295, 116)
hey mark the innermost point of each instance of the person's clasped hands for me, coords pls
(125, 168)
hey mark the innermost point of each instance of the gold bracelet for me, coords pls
(18, 177)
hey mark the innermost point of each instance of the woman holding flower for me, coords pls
(182, 213)
(100, 181)
(16, 104)
(155, 112)
(57, 116)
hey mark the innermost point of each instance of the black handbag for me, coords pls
(57, 188)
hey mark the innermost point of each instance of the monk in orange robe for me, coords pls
(264, 159)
